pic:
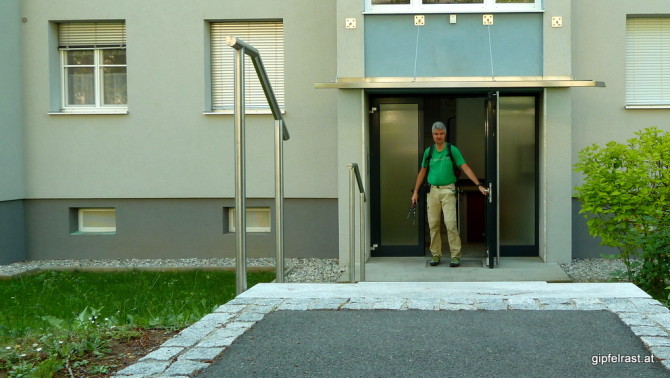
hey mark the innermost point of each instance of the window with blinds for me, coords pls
(93, 63)
(648, 62)
(268, 38)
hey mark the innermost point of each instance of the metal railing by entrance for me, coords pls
(281, 134)
(355, 180)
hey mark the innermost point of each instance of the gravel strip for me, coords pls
(307, 270)
(592, 270)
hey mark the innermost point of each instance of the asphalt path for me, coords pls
(414, 343)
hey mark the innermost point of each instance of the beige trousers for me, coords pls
(443, 199)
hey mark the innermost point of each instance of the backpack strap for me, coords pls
(429, 157)
(457, 172)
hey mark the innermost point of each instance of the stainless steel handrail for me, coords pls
(281, 134)
(355, 178)
(255, 56)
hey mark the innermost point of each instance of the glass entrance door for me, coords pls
(395, 145)
(492, 210)
(511, 174)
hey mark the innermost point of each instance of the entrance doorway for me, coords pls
(497, 135)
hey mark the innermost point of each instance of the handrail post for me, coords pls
(352, 226)
(355, 178)
(279, 201)
(240, 177)
(362, 236)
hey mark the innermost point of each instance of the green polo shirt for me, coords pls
(441, 172)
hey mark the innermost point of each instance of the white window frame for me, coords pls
(268, 37)
(81, 221)
(261, 211)
(488, 6)
(98, 70)
(647, 63)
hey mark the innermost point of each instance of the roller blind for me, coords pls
(268, 38)
(92, 34)
(648, 61)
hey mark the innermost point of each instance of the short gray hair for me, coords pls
(439, 126)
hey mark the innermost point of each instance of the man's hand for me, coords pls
(415, 198)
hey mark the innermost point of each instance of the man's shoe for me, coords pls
(455, 262)
(435, 261)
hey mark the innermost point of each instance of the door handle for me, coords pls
(490, 192)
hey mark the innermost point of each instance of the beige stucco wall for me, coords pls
(599, 53)
(165, 147)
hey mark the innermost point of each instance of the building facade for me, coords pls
(117, 132)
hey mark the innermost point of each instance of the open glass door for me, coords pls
(396, 143)
(492, 204)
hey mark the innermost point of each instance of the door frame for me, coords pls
(374, 149)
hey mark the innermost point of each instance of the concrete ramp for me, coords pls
(438, 329)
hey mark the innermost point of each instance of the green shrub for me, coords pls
(625, 198)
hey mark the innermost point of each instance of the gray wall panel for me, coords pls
(585, 246)
(311, 228)
(174, 228)
(460, 50)
(12, 232)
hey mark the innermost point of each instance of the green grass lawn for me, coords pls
(49, 320)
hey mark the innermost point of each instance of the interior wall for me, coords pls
(470, 120)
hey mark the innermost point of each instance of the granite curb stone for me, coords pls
(523, 304)
(327, 304)
(423, 304)
(162, 354)
(202, 354)
(589, 304)
(557, 304)
(185, 367)
(662, 319)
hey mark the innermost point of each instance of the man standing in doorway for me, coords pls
(442, 195)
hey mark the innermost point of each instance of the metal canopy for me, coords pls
(458, 82)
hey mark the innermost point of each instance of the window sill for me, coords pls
(477, 11)
(633, 107)
(89, 112)
(77, 233)
(250, 112)
(453, 8)
(252, 231)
